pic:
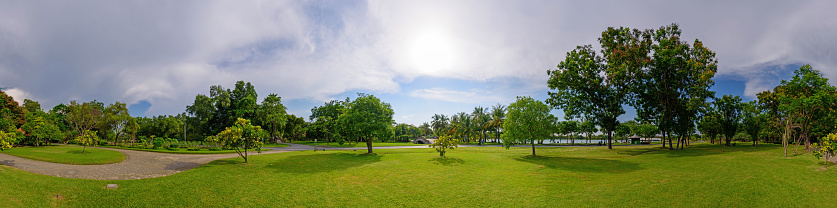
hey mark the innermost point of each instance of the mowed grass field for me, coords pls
(68, 154)
(361, 144)
(703, 175)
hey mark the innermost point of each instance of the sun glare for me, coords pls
(431, 52)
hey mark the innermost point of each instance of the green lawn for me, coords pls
(183, 151)
(701, 176)
(275, 145)
(362, 144)
(68, 154)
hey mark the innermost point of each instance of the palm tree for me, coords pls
(480, 120)
(439, 123)
(425, 129)
(498, 113)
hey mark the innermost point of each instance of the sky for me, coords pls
(423, 57)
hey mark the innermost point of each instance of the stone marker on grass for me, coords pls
(111, 186)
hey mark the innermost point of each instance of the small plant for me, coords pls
(826, 148)
(194, 149)
(215, 149)
(444, 143)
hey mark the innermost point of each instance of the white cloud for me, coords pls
(457, 96)
(19, 95)
(167, 52)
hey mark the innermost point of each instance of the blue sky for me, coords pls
(423, 57)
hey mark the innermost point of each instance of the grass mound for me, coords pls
(68, 154)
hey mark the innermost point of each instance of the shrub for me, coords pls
(103, 143)
(158, 142)
(742, 137)
(194, 149)
(172, 149)
(174, 146)
(215, 149)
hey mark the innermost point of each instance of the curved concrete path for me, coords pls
(137, 165)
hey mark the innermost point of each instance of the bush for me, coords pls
(174, 146)
(103, 143)
(215, 149)
(194, 149)
(172, 149)
(158, 142)
(741, 137)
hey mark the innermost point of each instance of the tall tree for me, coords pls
(84, 117)
(598, 86)
(806, 97)
(498, 114)
(116, 119)
(39, 126)
(271, 115)
(366, 117)
(729, 111)
(326, 116)
(10, 111)
(676, 83)
(709, 124)
(440, 123)
(527, 121)
(31, 106)
(754, 120)
(425, 129)
(589, 128)
(569, 128)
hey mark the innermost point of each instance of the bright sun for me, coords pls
(431, 52)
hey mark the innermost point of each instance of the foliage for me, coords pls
(327, 122)
(367, 117)
(742, 136)
(754, 120)
(443, 144)
(597, 87)
(676, 83)
(85, 116)
(527, 120)
(7, 139)
(729, 112)
(826, 148)
(41, 128)
(241, 137)
(10, 111)
(271, 115)
(87, 138)
(799, 105)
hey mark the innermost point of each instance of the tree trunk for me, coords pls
(369, 145)
(609, 145)
(245, 155)
(533, 147)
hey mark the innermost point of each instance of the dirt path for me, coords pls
(137, 165)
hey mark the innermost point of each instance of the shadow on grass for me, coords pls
(79, 152)
(319, 163)
(695, 150)
(583, 164)
(447, 161)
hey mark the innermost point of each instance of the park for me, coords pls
(355, 109)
